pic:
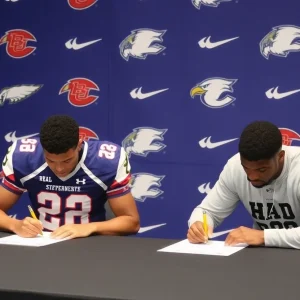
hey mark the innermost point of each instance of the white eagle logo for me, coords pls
(145, 185)
(281, 41)
(211, 89)
(144, 140)
(211, 3)
(142, 42)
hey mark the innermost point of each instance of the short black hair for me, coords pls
(59, 133)
(260, 140)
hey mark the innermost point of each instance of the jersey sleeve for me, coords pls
(121, 183)
(220, 202)
(11, 176)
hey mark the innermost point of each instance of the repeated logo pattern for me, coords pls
(163, 153)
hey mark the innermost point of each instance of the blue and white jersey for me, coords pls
(102, 172)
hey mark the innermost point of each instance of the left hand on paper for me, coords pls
(245, 235)
(71, 231)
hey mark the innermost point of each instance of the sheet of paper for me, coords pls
(210, 248)
(38, 241)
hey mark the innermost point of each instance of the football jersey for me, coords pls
(275, 208)
(103, 172)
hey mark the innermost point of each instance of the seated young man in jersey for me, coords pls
(265, 176)
(68, 181)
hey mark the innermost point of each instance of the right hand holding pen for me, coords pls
(196, 233)
(28, 227)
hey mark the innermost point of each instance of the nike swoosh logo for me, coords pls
(72, 44)
(216, 234)
(273, 93)
(206, 43)
(147, 228)
(11, 136)
(206, 143)
(137, 93)
(204, 188)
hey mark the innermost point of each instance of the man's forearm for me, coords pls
(7, 223)
(117, 226)
(283, 238)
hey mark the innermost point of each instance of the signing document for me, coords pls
(210, 248)
(38, 241)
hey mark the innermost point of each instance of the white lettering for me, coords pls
(63, 188)
(45, 178)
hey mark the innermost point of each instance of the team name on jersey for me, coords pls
(45, 178)
(63, 188)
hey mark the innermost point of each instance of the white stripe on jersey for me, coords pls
(93, 177)
(79, 165)
(45, 165)
(34, 173)
(118, 189)
(8, 183)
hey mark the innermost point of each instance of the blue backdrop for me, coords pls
(174, 82)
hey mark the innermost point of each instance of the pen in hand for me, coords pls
(205, 226)
(33, 215)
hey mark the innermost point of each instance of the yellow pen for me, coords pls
(33, 215)
(205, 223)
